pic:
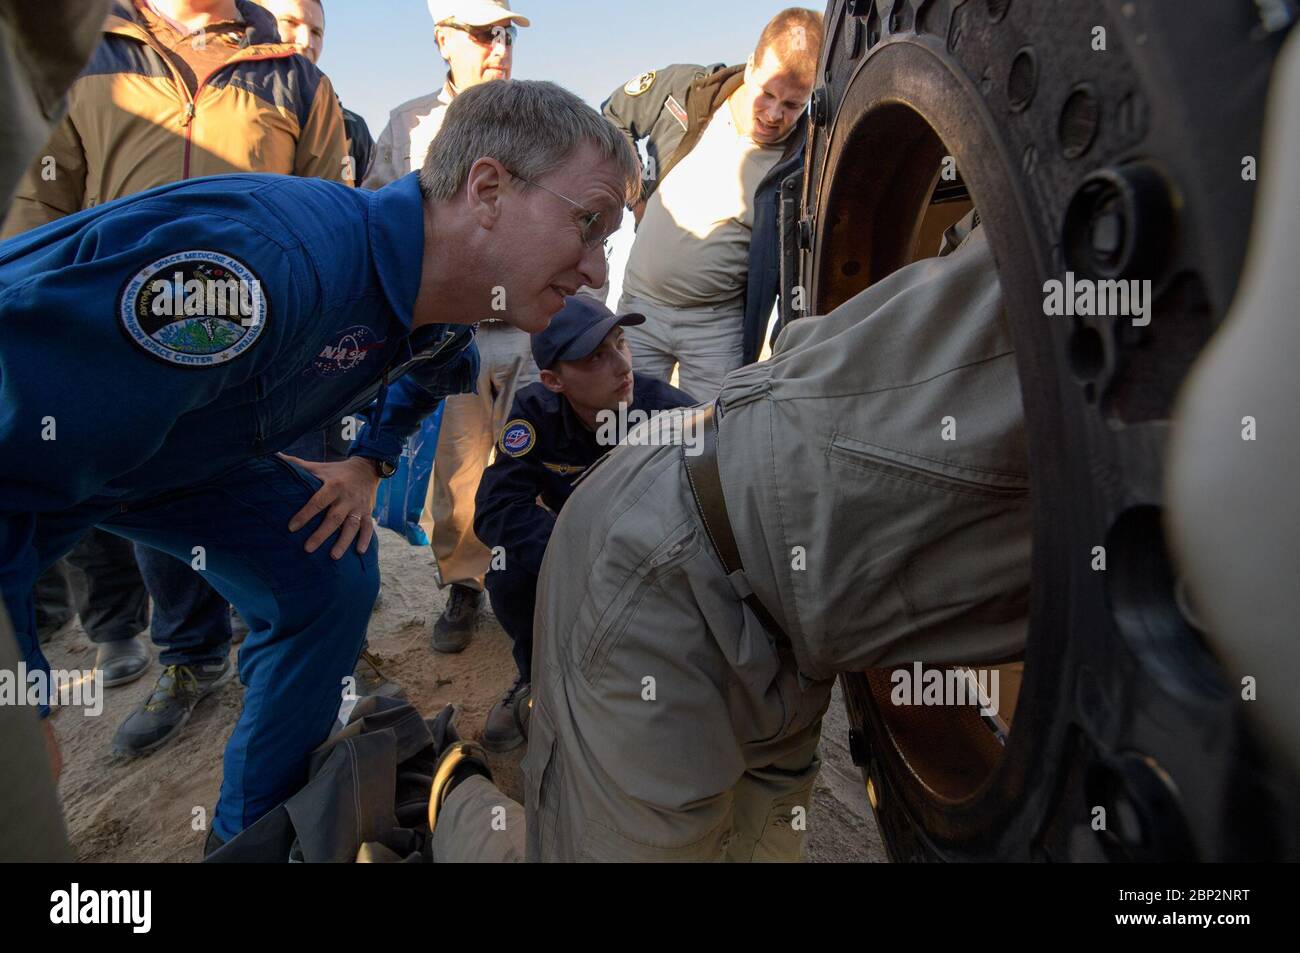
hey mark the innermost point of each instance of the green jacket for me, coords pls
(670, 108)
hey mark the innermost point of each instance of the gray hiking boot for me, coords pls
(506, 725)
(455, 627)
(168, 707)
(122, 661)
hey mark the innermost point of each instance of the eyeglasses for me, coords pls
(488, 35)
(588, 222)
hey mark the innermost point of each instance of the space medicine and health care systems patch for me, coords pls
(194, 308)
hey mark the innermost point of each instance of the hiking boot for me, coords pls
(122, 661)
(168, 707)
(505, 729)
(455, 627)
(370, 678)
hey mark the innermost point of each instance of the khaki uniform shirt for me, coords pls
(406, 139)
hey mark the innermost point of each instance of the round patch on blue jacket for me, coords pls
(347, 350)
(194, 309)
(517, 438)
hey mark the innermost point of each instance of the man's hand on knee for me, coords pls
(346, 497)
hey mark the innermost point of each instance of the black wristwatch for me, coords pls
(383, 468)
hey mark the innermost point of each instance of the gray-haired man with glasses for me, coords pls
(594, 230)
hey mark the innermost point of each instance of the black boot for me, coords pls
(122, 661)
(455, 627)
(507, 721)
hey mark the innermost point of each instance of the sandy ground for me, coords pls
(155, 808)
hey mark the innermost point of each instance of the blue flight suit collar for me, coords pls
(396, 215)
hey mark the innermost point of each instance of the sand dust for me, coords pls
(154, 808)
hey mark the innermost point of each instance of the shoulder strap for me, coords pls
(706, 487)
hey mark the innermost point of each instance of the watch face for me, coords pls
(386, 469)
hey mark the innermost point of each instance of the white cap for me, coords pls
(474, 12)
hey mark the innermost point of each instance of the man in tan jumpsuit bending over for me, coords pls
(668, 722)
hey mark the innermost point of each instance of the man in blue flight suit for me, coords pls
(156, 352)
(557, 428)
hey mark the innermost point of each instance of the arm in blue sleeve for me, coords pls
(399, 411)
(81, 404)
(507, 514)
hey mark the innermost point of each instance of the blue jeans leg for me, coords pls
(308, 614)
(191, 620)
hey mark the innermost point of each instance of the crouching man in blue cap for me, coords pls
(557, 429)
(156, 352)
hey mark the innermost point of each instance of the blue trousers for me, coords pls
(514, 597)
(307, 612)
(191, 620)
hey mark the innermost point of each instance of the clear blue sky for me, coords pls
(379, 53)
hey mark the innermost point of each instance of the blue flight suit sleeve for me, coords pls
(81, 403)
(398, 412)
(506, 511)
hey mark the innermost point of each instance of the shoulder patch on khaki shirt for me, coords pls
(639, 84)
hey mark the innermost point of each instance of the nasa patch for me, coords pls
(347, 351)
(639, 84)
(517, 438)
(194, 309)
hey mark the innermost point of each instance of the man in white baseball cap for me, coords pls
(476, 38)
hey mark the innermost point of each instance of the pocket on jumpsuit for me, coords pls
(541, 800)
(679, 546)
(952, 544)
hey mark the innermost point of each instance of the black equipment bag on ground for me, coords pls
(366, 797)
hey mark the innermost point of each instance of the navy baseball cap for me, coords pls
(576, 330)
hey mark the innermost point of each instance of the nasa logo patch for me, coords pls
(352, 346)
(194, 309)
(517, 438)
(639, 84)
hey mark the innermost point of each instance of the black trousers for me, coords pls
(100, 581)
(514, 597)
